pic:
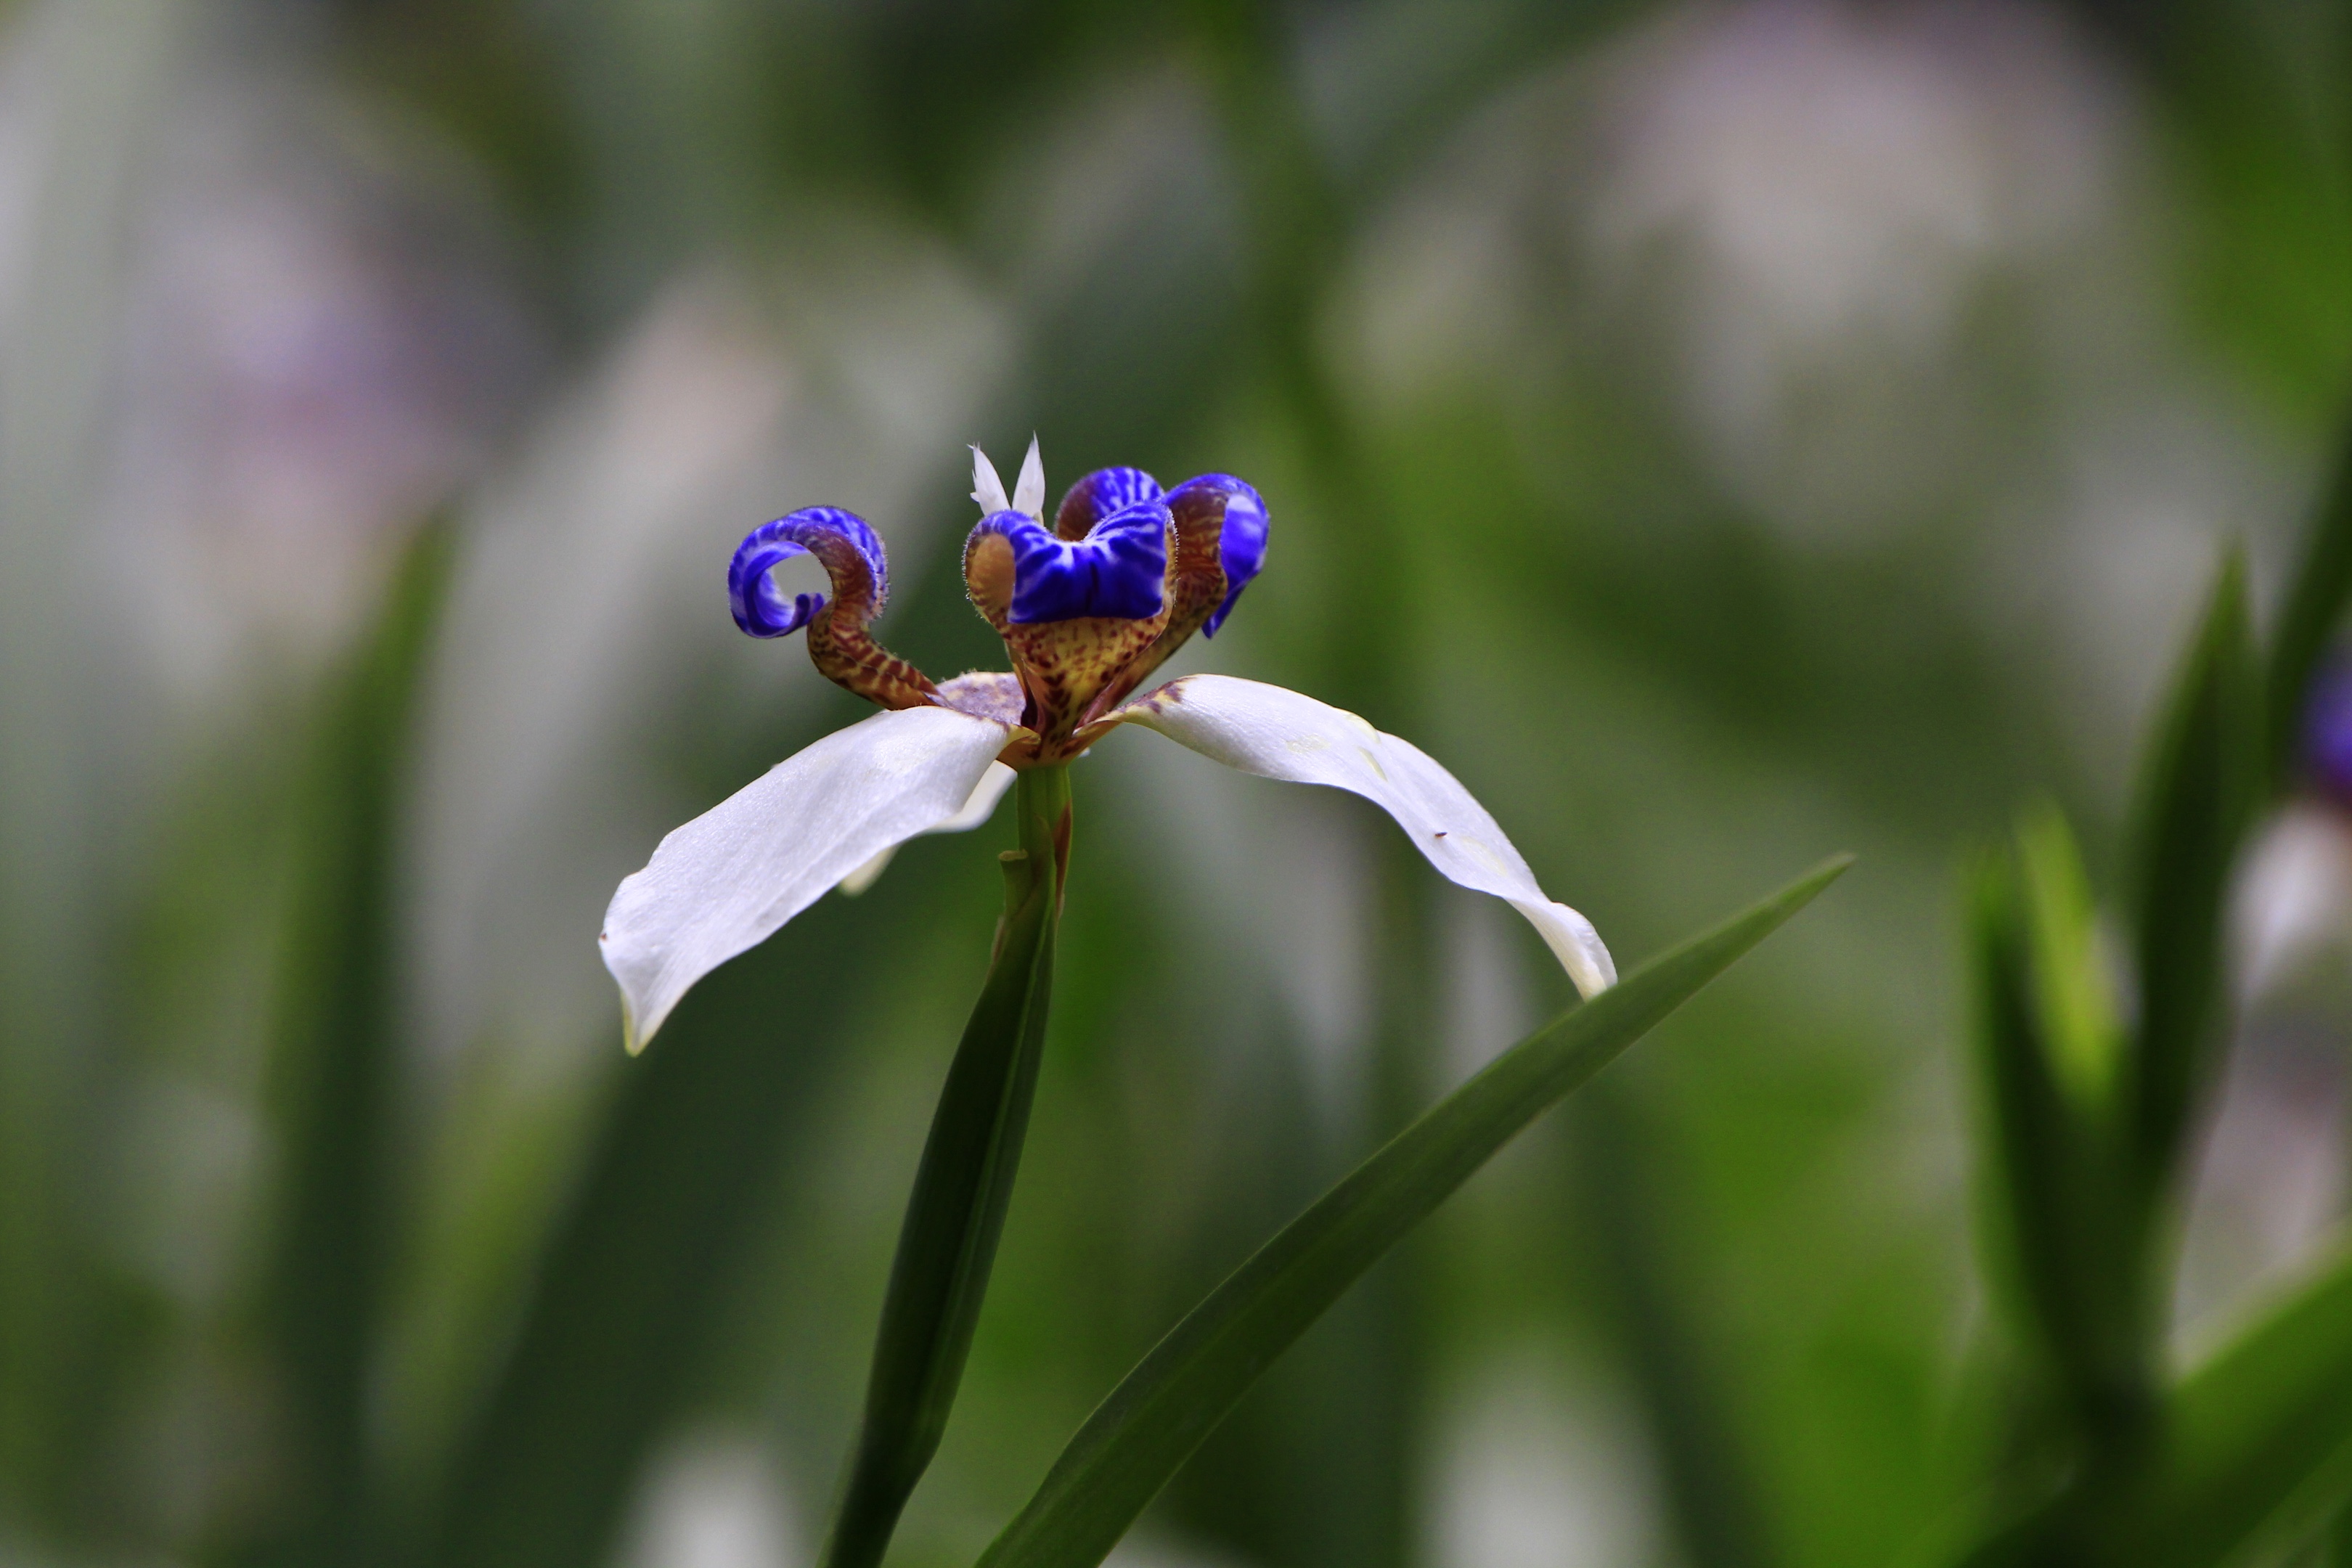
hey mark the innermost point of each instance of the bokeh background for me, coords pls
(1722, 433)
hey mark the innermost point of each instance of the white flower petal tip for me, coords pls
(1574, 942)
(976, 811)
(1279, 734)
(987, 488)
(729, 878)
(1029, 490)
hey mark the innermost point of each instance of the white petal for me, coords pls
(866, 876)
(986, 488)
(1029, 490)
(982, 804)
(977, 810)
(1279, 734)
(2294, 896)
(724, 881)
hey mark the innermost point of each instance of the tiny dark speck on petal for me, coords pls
(1440, 832)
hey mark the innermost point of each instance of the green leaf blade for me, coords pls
(2063, 1222)
(631, 1281)
(2196, 802)
(2024, 1111)
(955, 1216)
(635, 1277)
(1142, 1431)
(2259, 1438)
(332, 1091)
(2082, 1036)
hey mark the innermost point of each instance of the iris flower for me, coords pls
(1089, 608)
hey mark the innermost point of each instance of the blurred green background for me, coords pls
(1722, 433)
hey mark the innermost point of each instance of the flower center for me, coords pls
(1088, 608)
(1073, 612)
(1127, 572)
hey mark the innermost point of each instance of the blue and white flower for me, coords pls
(1088, 608)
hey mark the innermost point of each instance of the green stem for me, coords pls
(956, 1214)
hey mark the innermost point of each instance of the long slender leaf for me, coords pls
(1138, 1437)
(332, 1070)
(634, 1276)
(2084, 1192)
(638, 1272)
(2065, 1217)
(2074, 996)
(2314, 603)
(2198, 794)
(956, 1214)
(2196, 800)
(2260, 1437)
(2030, 1160)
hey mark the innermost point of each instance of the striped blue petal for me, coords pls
(841, 540)
(1104, 493)
(1243, 528)
(1116, 570)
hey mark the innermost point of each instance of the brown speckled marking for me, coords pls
(1194, 588)
(839, 644)
(1066, 665)
(1169, 695)
(985, 694)
(994, 694)
(1073, 673)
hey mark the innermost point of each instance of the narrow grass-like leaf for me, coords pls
(2102, 1211)
(2063, 1213)
(2074, 999)
(956, 1215)
(331, 1069)
(1138, 1437)
(2195, 803)
(2313, 605)
(2024, 1113)
(635, 1275)
(633, 1280)
(2259, 1439)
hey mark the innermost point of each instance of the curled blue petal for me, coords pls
(1104, 493)
(847, 549)
(759, 609)
(1117, 569)
(1242, 526)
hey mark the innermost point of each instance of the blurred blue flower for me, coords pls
(1088, 610)
(2328, 730)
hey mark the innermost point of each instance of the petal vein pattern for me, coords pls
(729, 878)
(1116, 570)
(1281, 734)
